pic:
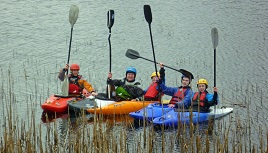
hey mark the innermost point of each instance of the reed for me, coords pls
(105, 134)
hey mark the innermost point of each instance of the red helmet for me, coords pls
(75, 67)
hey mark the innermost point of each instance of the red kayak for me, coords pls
(59, 104)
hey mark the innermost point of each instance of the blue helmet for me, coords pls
(131, 69)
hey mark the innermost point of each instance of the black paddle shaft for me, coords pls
(130, 53)
(110, 23)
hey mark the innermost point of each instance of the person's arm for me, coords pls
(213, 99)
(215, 96)
(168, 90)
(86, 85)
(61, 75)
(162, 73)
(115, 82)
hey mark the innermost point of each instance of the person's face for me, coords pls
(75, 72)
(130, 76)
(155, 79)
(185, 82)
(201, 87)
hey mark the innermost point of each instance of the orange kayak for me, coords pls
(110, 107)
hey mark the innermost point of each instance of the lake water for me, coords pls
(35, 40)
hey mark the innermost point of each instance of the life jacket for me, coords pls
(179, 95)
(152, 91)
(74, 87)
(202, 99)
(203, 102)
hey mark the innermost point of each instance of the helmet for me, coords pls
(154, 74)
(75, 67)
(131, 70)
(202, 81)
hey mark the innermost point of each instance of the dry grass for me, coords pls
(108, 134)
(105, 134)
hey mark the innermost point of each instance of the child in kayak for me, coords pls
(181, 96)
(203, 98)
(127, 88)
(76, 82)
(152, 92)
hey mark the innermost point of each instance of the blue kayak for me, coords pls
(173, 118)
(151, 111)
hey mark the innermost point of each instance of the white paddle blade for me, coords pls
(73, 14)
(65, 87)
(215, 38)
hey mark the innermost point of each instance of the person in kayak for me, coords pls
(181, 96)
(203, 98)
(152, 92)
(76, 82)
(127, 88)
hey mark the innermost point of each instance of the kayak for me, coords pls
(151, 111)
(82, 105)
(173, 117)
(122, 107)
(107, 106)
(59, 104)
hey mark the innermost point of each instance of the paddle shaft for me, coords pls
(153, 49)
(163, 65)
(110, 51)
(110, 63)
(110, 22)
(214, 67)
(215, 40)
(70, 46)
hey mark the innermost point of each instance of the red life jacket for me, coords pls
(202, 99)
(152, 91)
(74, 87)
(179, 95)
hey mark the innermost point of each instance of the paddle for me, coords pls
(135, 55)
(110, 23)
(73, 15)
(215, 40)
(148, 17)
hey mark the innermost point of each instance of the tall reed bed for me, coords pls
(105, 134)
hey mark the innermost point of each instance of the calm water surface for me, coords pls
(35, 40)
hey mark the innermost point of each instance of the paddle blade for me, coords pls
(148, 13)
(65, 87)
(214, 36)
(110, 18)
(132, 54)
(187, 73)
(73, 14)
